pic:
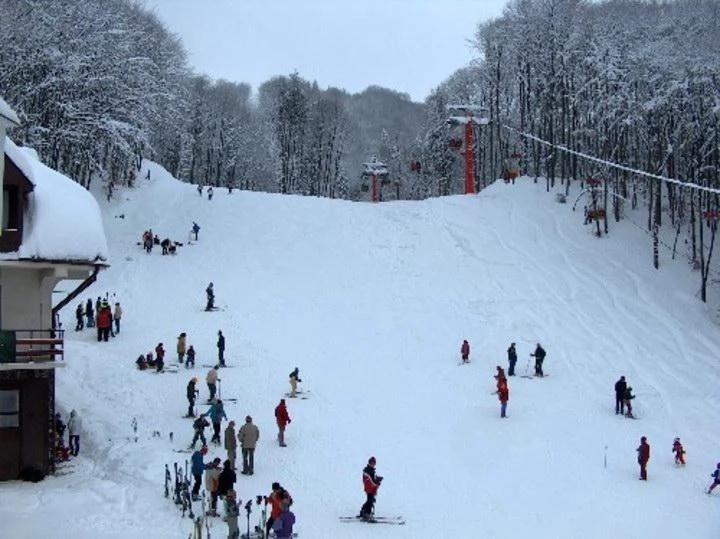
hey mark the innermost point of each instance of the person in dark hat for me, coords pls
(512, 359)
(371, 484)
(620, 391)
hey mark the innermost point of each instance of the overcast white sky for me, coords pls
(407, 45)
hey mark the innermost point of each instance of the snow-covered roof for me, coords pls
(375, 167)
(62, 222)
(7, 113)
(466, 119)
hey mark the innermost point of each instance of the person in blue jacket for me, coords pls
(197, 468)
(216, 413)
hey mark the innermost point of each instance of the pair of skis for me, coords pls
(397, 520)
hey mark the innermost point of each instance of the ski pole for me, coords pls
(219, 389)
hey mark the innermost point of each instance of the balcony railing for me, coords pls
(31, 345)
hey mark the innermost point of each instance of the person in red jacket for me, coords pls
(103, 322)
(159, 357)
(643, 452)
(275, 499)
(679, 451)
(465, 351)
(282, 417)
(371, 484)
(503, 393)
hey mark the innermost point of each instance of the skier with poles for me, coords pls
(371, 484)
(539, 356)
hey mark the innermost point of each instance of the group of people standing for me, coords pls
(102, 317)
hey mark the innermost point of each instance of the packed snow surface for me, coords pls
(372, 302)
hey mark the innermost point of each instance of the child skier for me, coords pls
(677, 448)
(371, 484)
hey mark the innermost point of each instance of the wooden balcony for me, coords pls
(23, 349)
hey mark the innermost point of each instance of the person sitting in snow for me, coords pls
(149, 359)
(195, 229)
(141, 362)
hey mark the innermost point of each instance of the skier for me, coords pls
(283, 419)
(628, 402)
(212, 379)
(230, 443)
(512, 359)
(190, 357)
(221, 348)
(74, 426)
(716, 478)
(216, 413)
(283, 523)
(539, 356)
(503, 393)
(210, 192)
(181, 347)
(371, 484)
(210, 293)
(196, 227)
(199, 426)
(620, 391)
(465, 351)
(275, 499)
(159, 357)
(679, 451)
(212, 478)
(192, 393)
(248, 436)
(117, 316)
(79, 314)
(643, 452)
(90, 313)
(294, 379)
(197, 468)
(232, 512)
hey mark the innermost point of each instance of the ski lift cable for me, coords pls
(614, 165)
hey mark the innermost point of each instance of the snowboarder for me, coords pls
(196, 227)
(210, 193)
(679, 451)
(371, 484)
(512, 359)
(74, 426)
(190, 361)
(283, 524)
(90, 313)
(716, 478)
(539, 356)
(248, 436)
(275, 499)
(465, 351)
(620, 391)
(294, 379)
(192, 393)
(503, 394)
(79, 314)
(221, 348)
(628, 402)
(199, 425)
(181, 347)
(212, 379)
(210, 293)
(216, 413)
(230, 443)
(283, 420)
(159, 357)
(197, 467)
(232, 512)
(643, 452)
(117, 316)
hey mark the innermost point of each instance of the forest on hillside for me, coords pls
(100, 84)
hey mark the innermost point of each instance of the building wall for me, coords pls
(25, 296)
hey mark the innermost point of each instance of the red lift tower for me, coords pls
(470, 117)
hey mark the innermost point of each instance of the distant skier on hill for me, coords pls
(221, 348)
(539, 356)
(716, 478)
(512, 359)
(195, 229)
(210, 193)
(282, 418)
(210, 293)
(679, 451)
(465, 351)
(190, 361)
(503, 393)
(643, 452)
(628, 402)
(199, 189)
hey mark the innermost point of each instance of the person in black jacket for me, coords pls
(512, 359)
(628, 402)
(221, 348)
(191, 396)
(539, 356)
(227, 479)
(620, 390)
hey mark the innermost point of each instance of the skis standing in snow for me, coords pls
(371, 484)
(465, 351)
(512, 359)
